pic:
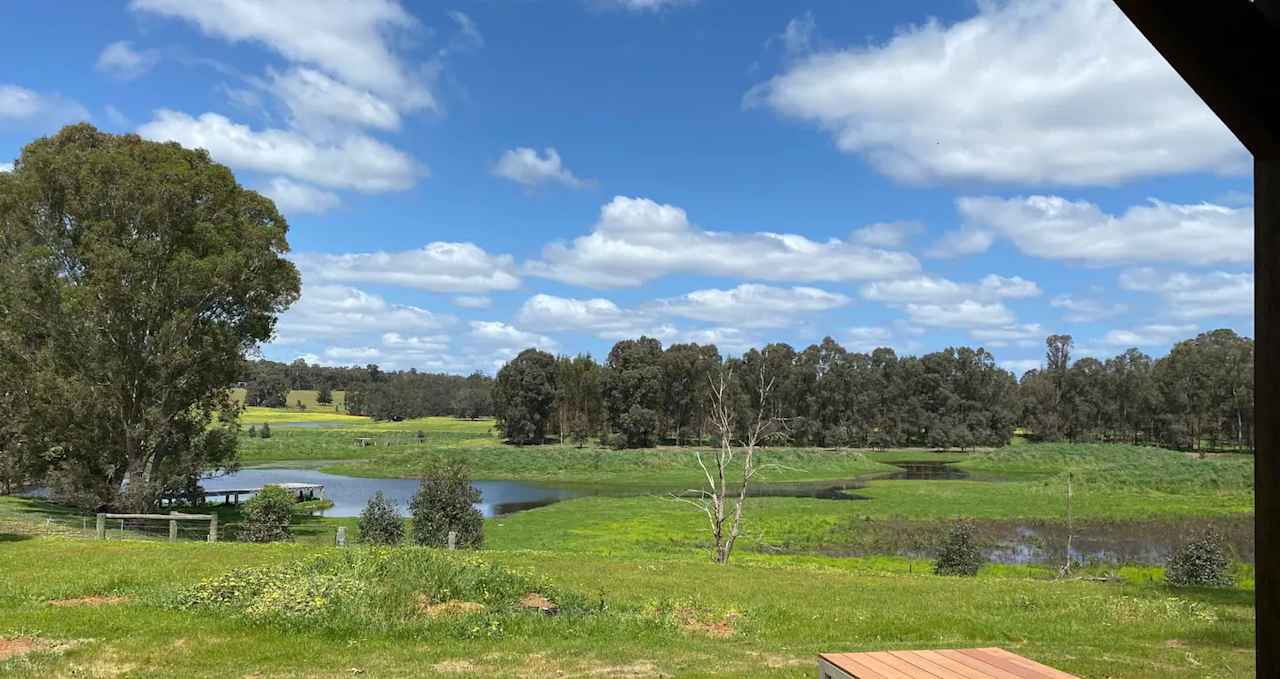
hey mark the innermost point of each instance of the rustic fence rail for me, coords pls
(172, 517)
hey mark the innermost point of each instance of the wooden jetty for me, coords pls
(231, 496)
(963, 663)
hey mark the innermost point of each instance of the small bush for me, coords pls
(380, 523)
(253, 431)
(1200, 563)
(960, 555)
(444, 503)
(265, 431)
(266, 516)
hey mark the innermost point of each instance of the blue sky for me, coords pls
(467, 179)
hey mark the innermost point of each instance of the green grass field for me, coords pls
(639, 595)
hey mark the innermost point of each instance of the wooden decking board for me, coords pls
(966, 663)
(923, 662)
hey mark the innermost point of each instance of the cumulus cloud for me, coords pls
(1027, 92)
(752, 305)
(20, 104)
(1056, 228)
(438, 266)
(350, 40)
(338, 310)
(1149, 335)
(637, 240)
(887, 234)
(961, 242)
(473, 301)
(1086, 310)
(597, 315)
(316, 100)
(121, 60)
(291, 197)
(6, 167)
(1020, 366)
(964, 314)
(936, 290)
(1191, 296)
(502, 335)
(356, 162)
(867, 338)
(1027, 334)
(526, 167)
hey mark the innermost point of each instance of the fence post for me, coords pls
(453, 539)
(102, 527)
(213, 528)
(173, 527)
(342, 536)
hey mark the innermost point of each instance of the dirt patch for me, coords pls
(535, 601)
(1175, 643)
(90, 601)
(20, 646)
(447, 609)
(639, 669)
(721, 628)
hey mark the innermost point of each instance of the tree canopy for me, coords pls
(134, 278)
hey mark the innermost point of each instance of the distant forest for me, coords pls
(371, 391)
(1198, 396)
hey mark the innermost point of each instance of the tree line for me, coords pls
(369, 390)
(641, 395)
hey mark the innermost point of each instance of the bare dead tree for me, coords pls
(734, 449)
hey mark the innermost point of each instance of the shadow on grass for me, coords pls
(14, 537)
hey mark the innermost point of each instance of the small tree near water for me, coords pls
(265, 431)
(444, 503)
(380, 523)
(960, 555)
(266, 516)
(1199, 563)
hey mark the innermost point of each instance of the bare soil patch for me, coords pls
(20, 646)
(90, 601)
(448, 608)
(536, 601)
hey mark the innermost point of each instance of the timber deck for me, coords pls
(964, 663)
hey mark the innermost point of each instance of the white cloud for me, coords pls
(1148, 335)
(1026, 92)
(499, 334)
(438, 266)
(936, 290)
(867, 338)
(752, 305)
(6, 167)
(637, 240)
(428, 343)
(1085, 310)
(799, 36)
(352, 355)
(887, 234)
(350, 40)
(598, 315)
(526, 167)
(1020, 366)
(961, 242)
(121, 60)
(292, 197)
(643, 5)
(467, 28)
(1026, 335)
(473, 301)
(1191, 296)
(356, 162)
(1056, 228)
(965, 314)
(316, 100)
(338, 311)
(21, 104)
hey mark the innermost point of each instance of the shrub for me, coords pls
(253, 431)
(640, 426)
(265, 431)
(1199, 563)
(380, 523)
(266, 515)
(444, 503)
(960, 555)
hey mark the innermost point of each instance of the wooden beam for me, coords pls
(1229, 52)
(1266, 370)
